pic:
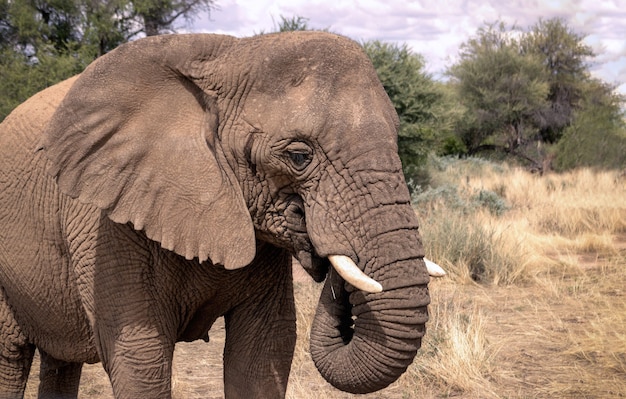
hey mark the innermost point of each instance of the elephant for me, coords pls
(172, 182)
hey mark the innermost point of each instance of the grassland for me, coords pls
(534, 304)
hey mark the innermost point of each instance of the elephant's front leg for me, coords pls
(139, 363)
(261, 332)
(134, 326)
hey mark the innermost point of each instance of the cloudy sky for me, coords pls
(434, 28)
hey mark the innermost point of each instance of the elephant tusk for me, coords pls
(434, 269)
(353, 275)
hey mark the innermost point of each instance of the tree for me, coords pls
(158, 16)
(597, 135)
(415, 97)
(564, 56)
(503, 90)
(39, 46)
(524, 91)
(21, 78)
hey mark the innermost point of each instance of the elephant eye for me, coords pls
(299, 155)
(299, 159)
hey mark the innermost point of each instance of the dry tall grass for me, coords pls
(508, 224)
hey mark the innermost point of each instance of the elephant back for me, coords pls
(20, 132)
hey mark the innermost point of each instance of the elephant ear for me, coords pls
(135, 137)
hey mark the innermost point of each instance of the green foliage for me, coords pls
(491, 201)
(597, 136)
(502, 89)
(42, 43)
(291, 24)
(158, 16)
(105, 27)
(415, 96)
(39, 46)
(295, 23)
(19, 79)
(447, 194)
(452, 145)
(563, 55)
(523, 91)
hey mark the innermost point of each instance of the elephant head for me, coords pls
(209, 143)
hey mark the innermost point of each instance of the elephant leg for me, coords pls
(139, 363)
(134, 330)
(58, 379)
(261, 335)
(16, 354)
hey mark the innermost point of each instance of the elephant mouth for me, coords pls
(302, 249)
(317, 267)
(295, 218)
(286, 226)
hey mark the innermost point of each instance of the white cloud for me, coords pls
(434, 29)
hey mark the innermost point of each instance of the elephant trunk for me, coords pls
(362, 342)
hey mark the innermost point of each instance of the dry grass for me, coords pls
(534, 305)
(526, 221)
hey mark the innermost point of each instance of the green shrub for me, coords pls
(491, 201)
(449, 196)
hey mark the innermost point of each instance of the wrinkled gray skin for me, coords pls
(169, 184)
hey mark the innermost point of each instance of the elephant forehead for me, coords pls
(298, 109)
(358, 116)
(291, 57)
